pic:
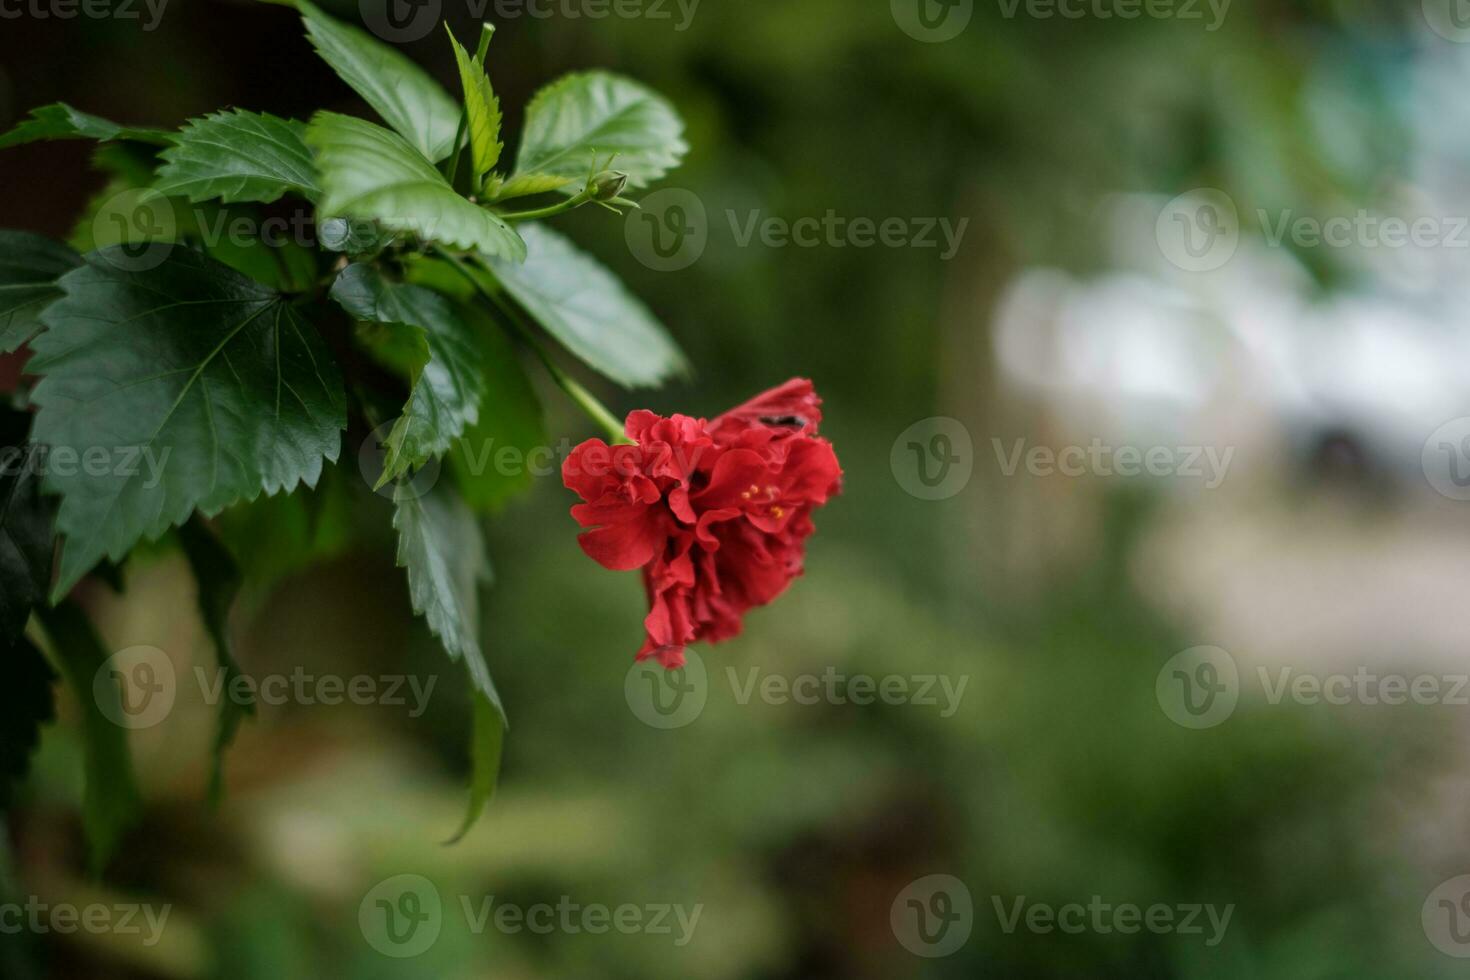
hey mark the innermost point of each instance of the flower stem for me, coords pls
(571, 203)
(585, 400)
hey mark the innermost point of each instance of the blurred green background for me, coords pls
(1058, 320)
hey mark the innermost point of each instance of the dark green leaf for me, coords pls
(439, 543)
(111, 803)
(193, 386)
(371, 174)
(238, 156)
(60, 121)
(601, 114)
(29, 267)
(218, 581)
(400, 91)
(486, 745)
(584, 306)
(27, 527)
(27, 702)
(446, 392)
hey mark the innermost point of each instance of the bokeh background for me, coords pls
(1067, 314)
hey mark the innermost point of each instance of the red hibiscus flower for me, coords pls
(716, 513)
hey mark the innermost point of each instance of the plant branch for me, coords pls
(585, 400)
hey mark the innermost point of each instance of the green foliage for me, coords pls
(209, 380)
(592, 114)
(371, 174)
(401, 92)
(29, 268)
(440, 546)
(60, 121)
(446, 388)
(238, 156)
(219, 582)
(111, 803)
(199, 379)
(482, 110)
(27, 702)
(585, 307)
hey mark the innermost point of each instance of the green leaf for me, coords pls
(510, 422)
(524, 185)
(195, 386)
(273, 537)
(26, 544)
(238, 156)
(371, 174)
(598, 113)
(29, 267)
(483, 111)
(27, 702)
(218, 581)
(446, 392)
(486, 745)
(111, 803)
(400, 91)
(130, 168)
(584, 306)
(27, 528)
(278, 259)
(60, 121)
(439, 543)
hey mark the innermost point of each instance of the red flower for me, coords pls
(715, 513)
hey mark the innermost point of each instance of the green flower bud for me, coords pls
(607, 185)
